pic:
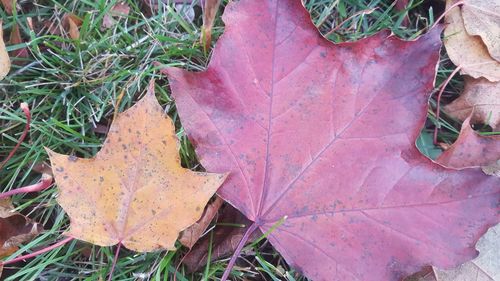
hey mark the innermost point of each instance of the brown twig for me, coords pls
(115, 260)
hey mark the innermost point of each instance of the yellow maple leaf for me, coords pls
(134, 191)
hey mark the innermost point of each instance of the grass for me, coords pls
(74, 86)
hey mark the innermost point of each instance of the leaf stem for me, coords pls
(237, 252)
(44, 183)
(39, 252)
(27, 113)
(115, 261)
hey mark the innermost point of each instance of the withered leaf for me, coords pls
(4, 56)
(118, 10)
(9, 5)
(72, 23)
(232, 226)
(190, 235)
(134, 191)
(15, 228)
(481, 97)
(468, 51)
(16, 38)
(210, 8)
(471, 149)
(482, 18)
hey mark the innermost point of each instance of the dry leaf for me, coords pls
(210, 8)
(479, 95)
(43, 168)
(493, 169)
(482, 18)
(486, 267)
(118, 10)
(468, 51)
(15, 35)
(191, 235)
(72, 23)
(232, 226)
(8, 5)
(15, 229)
(4, 56)
(426, 274)
(471, 149)
(14, 39)
(401, 6)
(185, 10)
(134, 191)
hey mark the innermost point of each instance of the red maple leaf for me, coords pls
(324, 134)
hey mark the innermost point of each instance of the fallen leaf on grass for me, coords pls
(492, 169)
(4, 56)
(482, 18)
(15, 229)
(134, 191)
(480, 96)
(190, 235)
(324, 134)
(72, 23)
(468, 51)
(426, 274)
(401, 6)
(119, 10)
(486, 267)
(232, 226)
(8, 5)
(16, 38)
(471, 149)
(210, 8)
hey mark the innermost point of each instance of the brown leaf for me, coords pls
(16, 38)
(15, 229)
(225, 239)
(4, 56)
(8, 5)
(15, 35)
(493, 169)
(151, 6)
(210, 8)
(482, 96)
(471, 149)
(468, 51)
(191, 235)
(486, 267)
(72, 23)
(118, 10)
(426, 274)
(43, 168)
(400, 6)
(134, 191)
(482, 18)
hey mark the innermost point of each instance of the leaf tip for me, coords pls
(49, 151)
